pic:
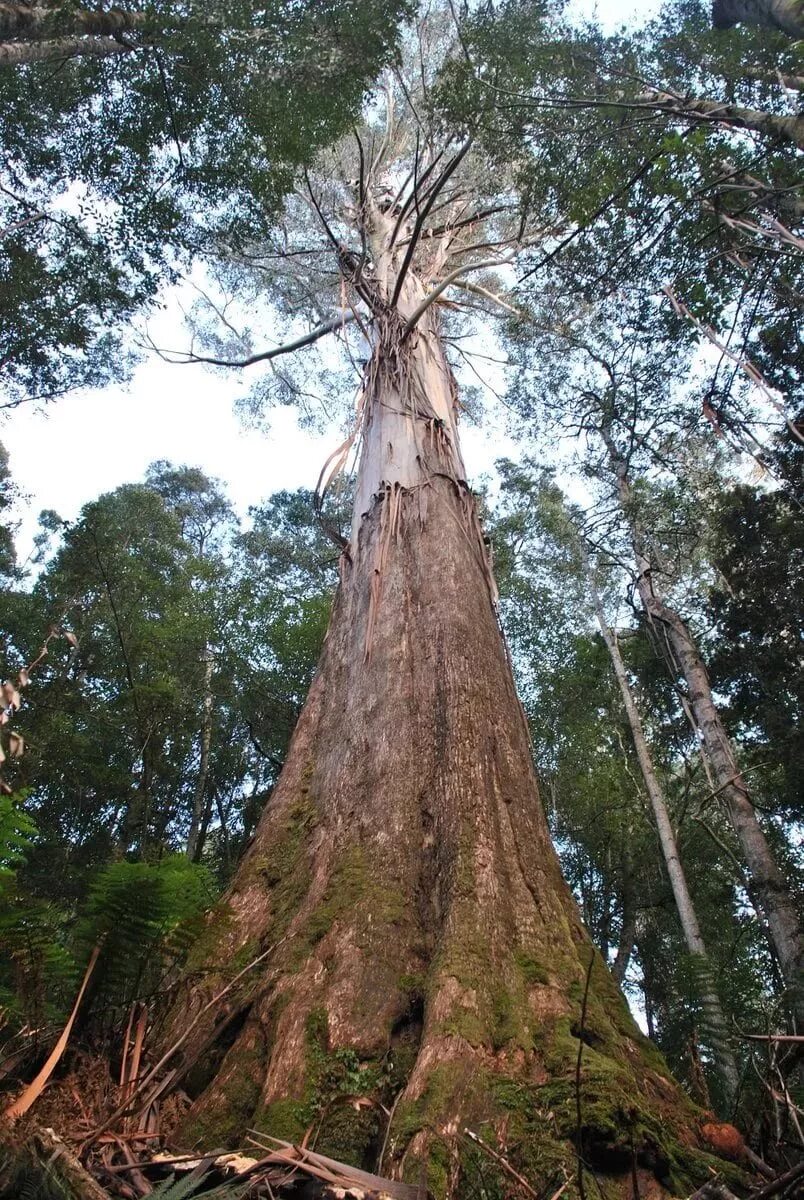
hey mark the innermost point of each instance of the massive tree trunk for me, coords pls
(428, 955)
(716, 1028)
(771, 889)
(787, 15)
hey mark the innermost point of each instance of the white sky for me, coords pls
(90, 442)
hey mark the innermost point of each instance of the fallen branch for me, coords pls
(60, 1161)
(35, 1088)
(506, 1166)
(780, 1184)
(713, 1189)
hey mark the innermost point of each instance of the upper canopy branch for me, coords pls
(299, 343)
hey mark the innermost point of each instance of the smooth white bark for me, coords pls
(717, 1029)
(772, 890)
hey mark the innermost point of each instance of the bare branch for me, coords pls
(451, 278)
(300, 343)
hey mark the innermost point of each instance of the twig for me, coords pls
(504, 1163)
(306, 339)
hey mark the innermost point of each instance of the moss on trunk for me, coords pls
(430, 964)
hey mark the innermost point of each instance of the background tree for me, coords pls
(756, 548)
(7, 496)
(140, 138)
(600, 812)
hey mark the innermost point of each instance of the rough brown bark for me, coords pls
(787, 15)
(768, 882)
(429, 956)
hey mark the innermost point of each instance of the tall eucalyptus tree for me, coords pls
(413, 960)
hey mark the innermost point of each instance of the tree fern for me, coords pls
(35, 965)
(17, 831)
(192, 1184)
(144, 915)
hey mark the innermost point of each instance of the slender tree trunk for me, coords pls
(772, 125)
(768, 881)
(18, 54)
(625, 942)
(716, 1027)
(24, 22)
(201, 804)
(787, 15)
(428, 955)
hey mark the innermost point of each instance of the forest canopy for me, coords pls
(419, 831)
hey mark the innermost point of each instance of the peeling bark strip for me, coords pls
(769, 884)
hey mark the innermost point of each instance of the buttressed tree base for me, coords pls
(429, 960)
(426, 971)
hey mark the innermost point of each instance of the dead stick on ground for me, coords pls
(563, 1188)
(166, 1057)
(37, 1085)
(779, 1184)
(66, 1168)
(492, 1153)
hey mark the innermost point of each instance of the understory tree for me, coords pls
(142, 771)
(405, 957)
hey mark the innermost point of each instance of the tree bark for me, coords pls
(787, 15)
(22, 22)
(200, 802)
(716, 1028)
(771, 888)
(772, 125)
(20, 54)
(428, 955)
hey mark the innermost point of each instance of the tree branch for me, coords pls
(306, 339)
(485, 265)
